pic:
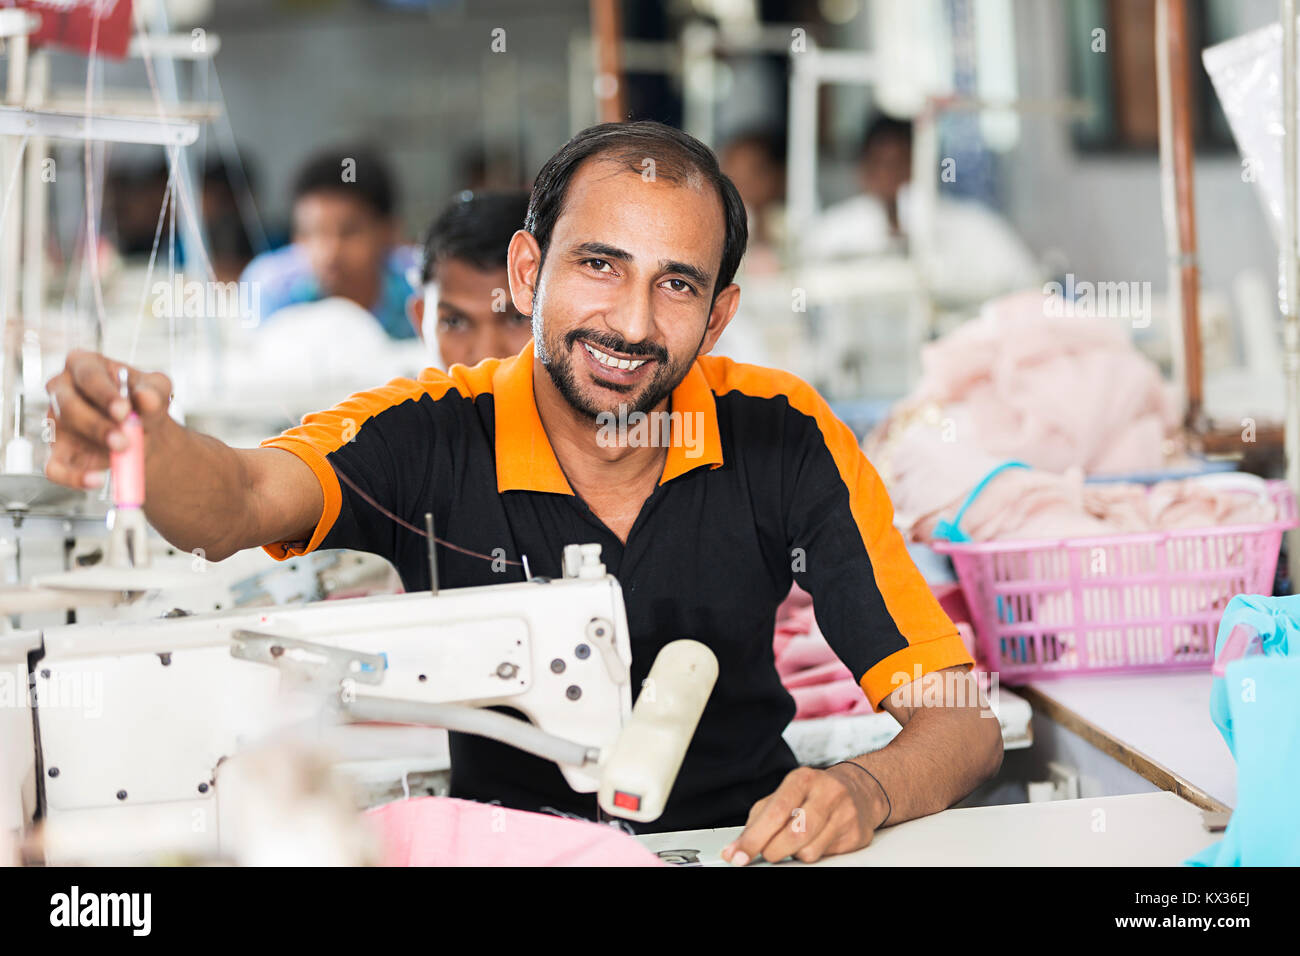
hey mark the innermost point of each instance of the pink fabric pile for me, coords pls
(819, 683)
(442, 831)
(810, 670)
(1028, 504)
(1022, 383)
(1068, 396)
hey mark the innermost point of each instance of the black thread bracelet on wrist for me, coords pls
(889, 805)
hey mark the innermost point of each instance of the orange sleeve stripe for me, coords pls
(329, 483)
(906, 665)
(322, 433)
(932, 638)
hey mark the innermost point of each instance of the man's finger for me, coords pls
(756, 809)
(827, 806)
(94, 378)
(78, 417)
(774, 815)
(75, 473)
(844, 833)
(77, 453)
(823, 810)
(151, 393)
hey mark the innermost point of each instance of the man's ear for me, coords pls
(523, 269)
(720, 316)
(415, 312)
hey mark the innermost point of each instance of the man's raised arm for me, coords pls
(199, 492)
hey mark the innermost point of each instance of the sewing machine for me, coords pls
(137, 721)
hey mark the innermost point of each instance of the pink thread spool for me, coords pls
(127, 466)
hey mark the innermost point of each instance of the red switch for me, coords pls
(628, 801)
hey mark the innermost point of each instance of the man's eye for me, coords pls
(681, 285)
(600, 265)
(519, 318)
(453, 323)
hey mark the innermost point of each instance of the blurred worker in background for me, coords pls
(974, 253)
(229, 247)
(133, 195)
(464, 290)
(755, 162)
(344, 243)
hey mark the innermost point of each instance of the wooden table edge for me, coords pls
(1112, 746)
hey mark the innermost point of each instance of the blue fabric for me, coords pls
(1256, 706)
(286, 279)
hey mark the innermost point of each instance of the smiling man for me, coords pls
(625, 265)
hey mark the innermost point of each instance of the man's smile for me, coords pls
(616, 370)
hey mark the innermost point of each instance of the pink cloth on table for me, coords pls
(442, 831)
(1023, 503)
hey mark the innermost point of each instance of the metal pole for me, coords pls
(801, 165)
(11, 376)
(1169, 197)
(1184, 270)
(432, 544)
(699, 81)
(1290, 268)
(36, 208)
(607, 32)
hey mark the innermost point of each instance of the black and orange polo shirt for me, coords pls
(772, 489)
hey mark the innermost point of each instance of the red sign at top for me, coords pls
(71, 23)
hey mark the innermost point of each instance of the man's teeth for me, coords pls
(606, 359)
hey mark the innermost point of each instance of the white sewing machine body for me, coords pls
(133, 718)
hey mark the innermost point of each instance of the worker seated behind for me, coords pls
(344, 243)
(974, 252)
(463, 287)
(705, 518)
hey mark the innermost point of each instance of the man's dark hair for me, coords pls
(677, 157)
(372, 184)
(476, 228)
(882, 127)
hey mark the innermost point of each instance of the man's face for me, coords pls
(476, 318)
(887, 167)
(759, 181)
(623, 302)
(344, 239)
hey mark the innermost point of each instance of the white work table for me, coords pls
(1142, 829)
(1157, 725)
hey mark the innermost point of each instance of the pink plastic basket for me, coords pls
(1115, 604)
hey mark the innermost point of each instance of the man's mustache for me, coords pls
(616, 343)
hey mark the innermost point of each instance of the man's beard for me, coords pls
(556, 356)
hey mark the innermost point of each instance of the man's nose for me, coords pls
(632, 318)
(494, 343)
(330, 247)
(486, 343)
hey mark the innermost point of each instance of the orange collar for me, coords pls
(526, 461)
